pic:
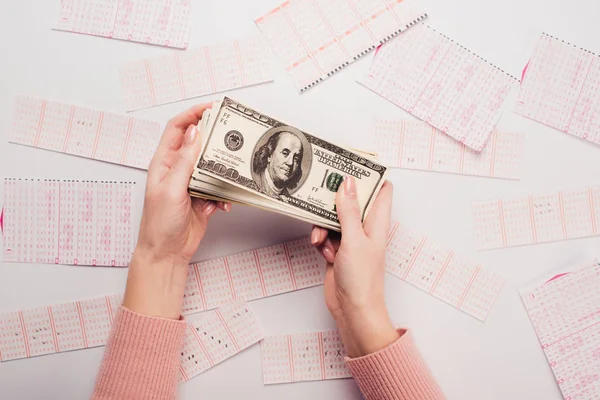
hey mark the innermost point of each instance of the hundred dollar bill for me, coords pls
(267, 163)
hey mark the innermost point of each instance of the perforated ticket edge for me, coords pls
(357, 56)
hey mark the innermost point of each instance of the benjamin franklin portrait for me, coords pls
(281, 161)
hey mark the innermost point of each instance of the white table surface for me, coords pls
(498, 359)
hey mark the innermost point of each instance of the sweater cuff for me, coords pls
(396, 372)
(141, 358)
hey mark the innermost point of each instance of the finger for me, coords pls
(377, 223)
(186, 158)
(224, 205)
(172, 138)
(348, 210)
(327, 252)
(203, 207)
(318, 236)
(329, 249)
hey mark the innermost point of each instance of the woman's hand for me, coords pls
(354, 281)
(173, 224)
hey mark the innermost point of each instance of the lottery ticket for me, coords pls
(158, 22)
(565, 313)
(68, 222)
(442, 83)
(317, 38)
(560, 88)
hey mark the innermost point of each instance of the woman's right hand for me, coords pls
(354, 280)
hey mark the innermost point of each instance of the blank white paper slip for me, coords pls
(85, 132)
(314, 39)
(216, 336)
(423, 263)
(196, 72)
(560, 88)
(537, 218)
(159, 22)
(68, 222)
(418, 145)
(314, 356)
(565, 312)
(441, 82)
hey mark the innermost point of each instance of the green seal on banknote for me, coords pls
(334, 180)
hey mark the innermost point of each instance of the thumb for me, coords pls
(348, 210)
(187, 156)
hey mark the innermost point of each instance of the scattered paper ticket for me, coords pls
(317, 38)
(163, 23)
(420, 261)
(253, 274)
(214, 337)
(418, 145)
(196, 72)
(565, 313)
(560, 88)
(537, 218)
(301, 357)
(68, 222)
(442, 83)
(252, 158)
(57, 328)
(84, 132)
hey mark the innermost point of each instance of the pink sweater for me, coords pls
(142, 357)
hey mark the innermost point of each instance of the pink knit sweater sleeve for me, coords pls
(141, 358)
(396, 372)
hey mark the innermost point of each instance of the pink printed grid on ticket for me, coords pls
(253, 274)
(57, 328)
(216, 336)
(196, 72)
(565, 312)
(159, 22)
(209, 340)
(301, 357)
(316, 38)
(68, 222)
(560, 88)
(537, 218)
(85, 132)
(420, 261)
(442, 83)
(418, 145)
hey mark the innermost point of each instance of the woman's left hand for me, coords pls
(173, 224)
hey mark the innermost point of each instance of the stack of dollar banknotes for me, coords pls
(250, 158)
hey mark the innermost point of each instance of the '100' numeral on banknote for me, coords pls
(281, 163)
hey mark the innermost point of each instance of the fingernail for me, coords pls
(328, 254)
(209, 208)
(190, 134)
(349, 186)
(227, 207)
(314, 236)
